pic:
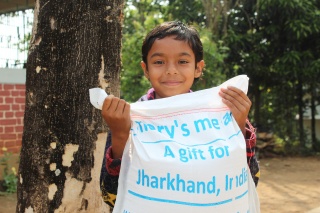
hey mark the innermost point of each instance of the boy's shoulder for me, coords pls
(149, 96)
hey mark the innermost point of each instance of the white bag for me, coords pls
(186, 154)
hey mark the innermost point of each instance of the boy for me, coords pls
(172, 58)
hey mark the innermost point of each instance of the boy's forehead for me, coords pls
(160, 54)
(170, 45)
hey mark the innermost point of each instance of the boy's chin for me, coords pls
(169, 94)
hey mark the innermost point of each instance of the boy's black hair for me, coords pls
(182, 33)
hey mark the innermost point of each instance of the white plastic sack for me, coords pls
(186, 154)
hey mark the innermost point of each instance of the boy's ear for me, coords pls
(198, 71)
(145, 70)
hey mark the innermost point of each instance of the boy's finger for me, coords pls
(231, 105)
(230, 96)
(126, 109)
(113, 104)
(234, 94)
(107, 102)
(234, 91)
(121, 106)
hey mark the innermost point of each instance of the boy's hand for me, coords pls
(238, 103)
(116, 113)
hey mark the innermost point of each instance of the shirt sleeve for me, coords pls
(251, 157)
(112, 165)
(109, 175)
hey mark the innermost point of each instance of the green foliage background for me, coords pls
(275, 42)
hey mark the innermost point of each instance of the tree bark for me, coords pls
(214, 11)
(75, 46)
(257, 104)
(300, 103)
(314, 141)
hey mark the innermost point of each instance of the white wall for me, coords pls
(307, 126)
(307, 122)
(12, 76)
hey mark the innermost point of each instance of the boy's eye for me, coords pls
(183, 62)
(158, 62)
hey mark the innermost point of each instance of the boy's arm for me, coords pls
(238, 103)
(116, 113)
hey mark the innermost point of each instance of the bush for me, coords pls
(9, 182)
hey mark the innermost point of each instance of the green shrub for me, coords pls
(9, 175)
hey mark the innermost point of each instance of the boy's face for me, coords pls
(171, 67)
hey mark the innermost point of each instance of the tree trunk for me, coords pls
(216, 10)
(75, 46)
(300, 103)
(257, 104)
(211, 12)
(314, 142)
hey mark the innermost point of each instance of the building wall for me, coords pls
(307, 122)
(12, 104)
(307, 127)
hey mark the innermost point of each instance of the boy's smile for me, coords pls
(171, 67)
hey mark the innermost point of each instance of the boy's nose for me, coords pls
(171, 69)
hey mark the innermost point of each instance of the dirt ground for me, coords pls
(287, 185)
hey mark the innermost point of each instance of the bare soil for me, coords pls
(287, 185)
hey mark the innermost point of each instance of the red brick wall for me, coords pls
(12, 104)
